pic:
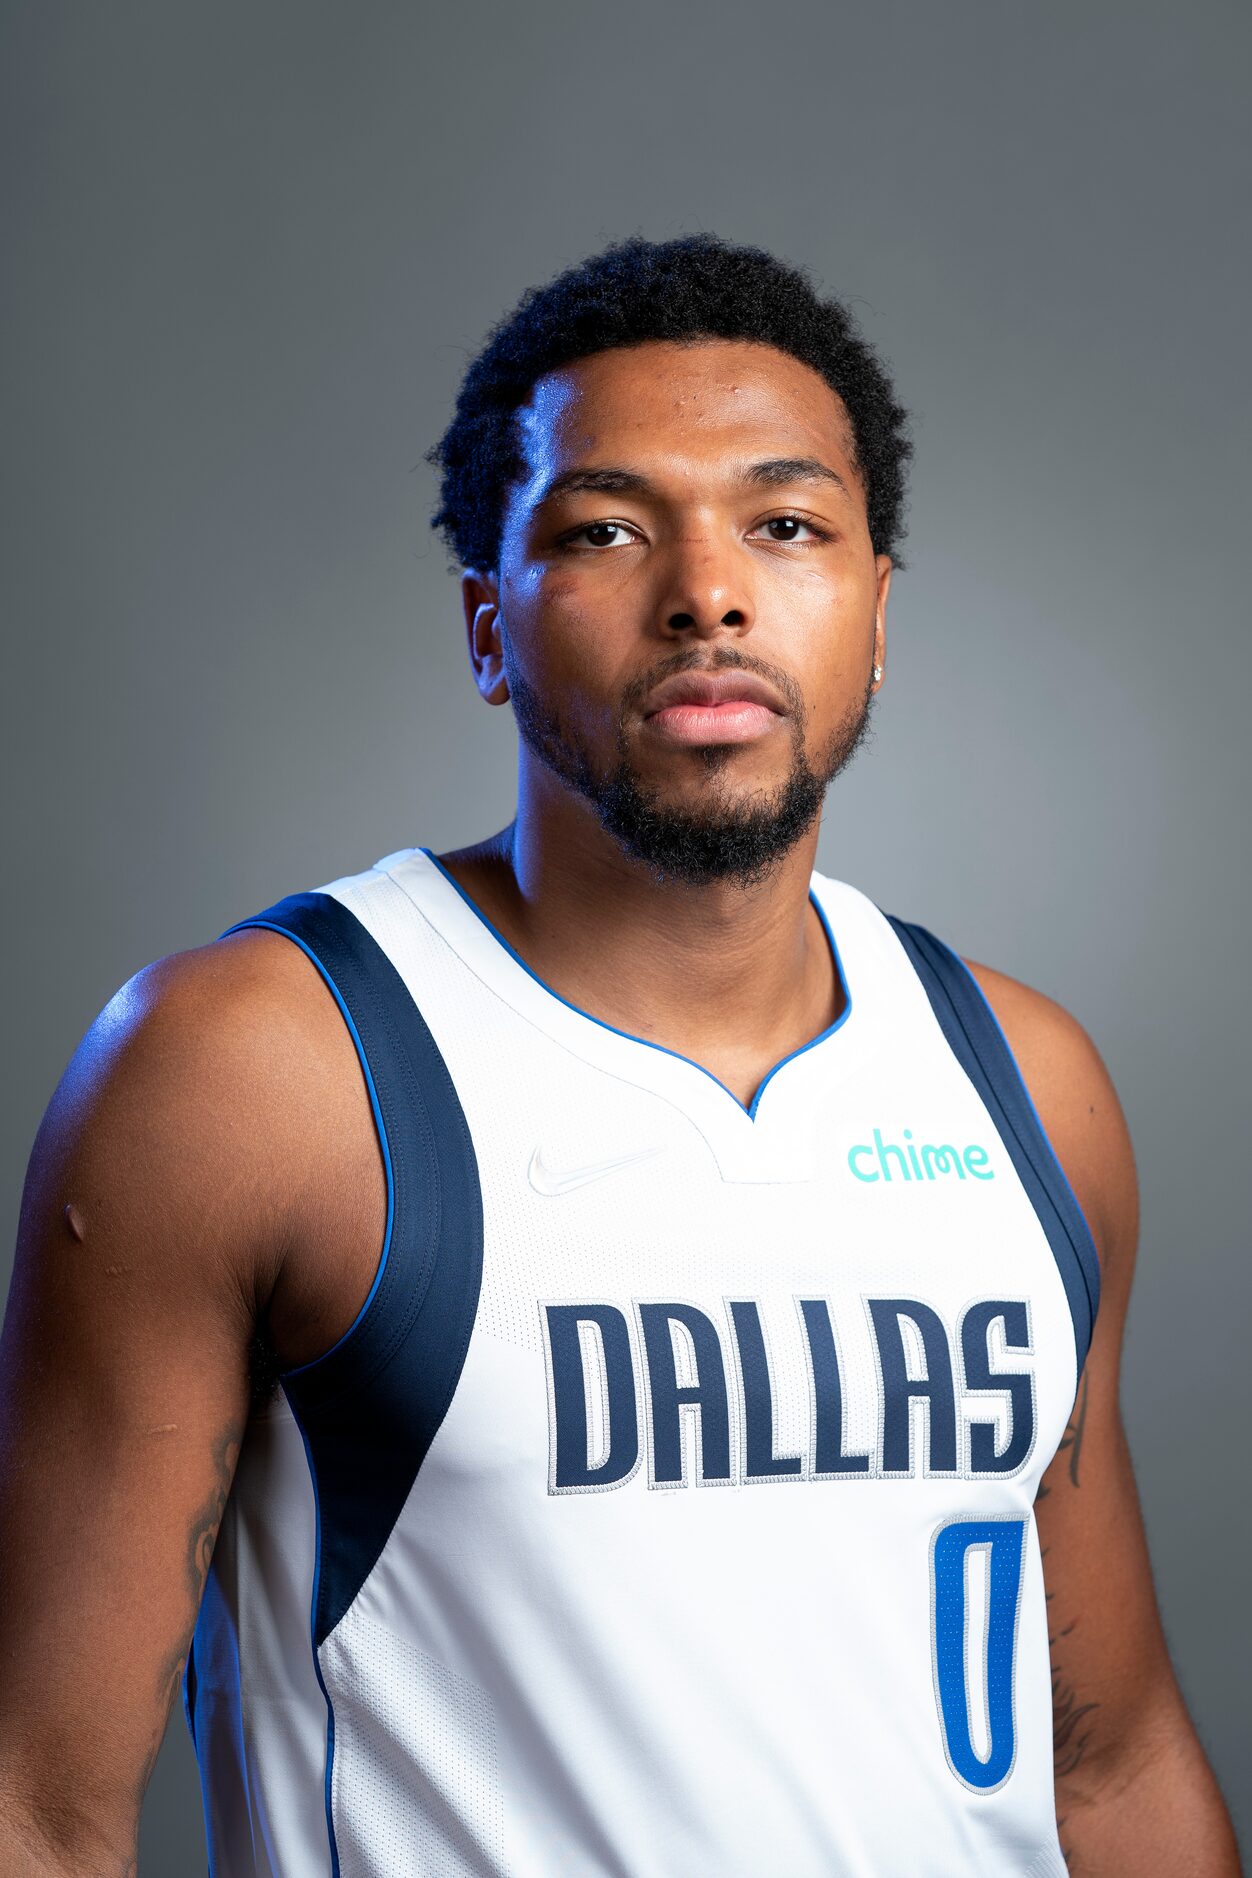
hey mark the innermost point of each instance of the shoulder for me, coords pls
(1077, 1103)
(209, 1088)
(189, 1023)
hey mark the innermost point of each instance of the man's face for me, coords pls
(688, 605)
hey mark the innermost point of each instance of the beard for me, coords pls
(729, 837)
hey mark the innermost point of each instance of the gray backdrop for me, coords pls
(248, 250)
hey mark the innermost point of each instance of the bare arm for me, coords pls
(1135, 1794)
(173, 1173)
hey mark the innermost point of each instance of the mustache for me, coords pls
(723, 659)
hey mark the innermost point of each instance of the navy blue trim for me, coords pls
(266, 923)
(369, 1408)
(976, 1039)
(647, 1042)
(189, 1690)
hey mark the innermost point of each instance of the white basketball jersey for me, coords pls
(667, 1510)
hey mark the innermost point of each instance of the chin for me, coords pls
(726, 771)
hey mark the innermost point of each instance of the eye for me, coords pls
(599, 535)
(787, 528)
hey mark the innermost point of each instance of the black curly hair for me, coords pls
(694, 287)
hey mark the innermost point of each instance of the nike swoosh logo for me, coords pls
(551, 1180)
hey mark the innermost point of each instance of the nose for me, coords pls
(707, 590)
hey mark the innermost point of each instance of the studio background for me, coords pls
(248, 251)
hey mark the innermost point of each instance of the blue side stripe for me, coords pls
(189, 1690)
(979, 1044)
(270, 925)
(369, 1407)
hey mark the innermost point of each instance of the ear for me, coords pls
(883, 563)
(480, 598)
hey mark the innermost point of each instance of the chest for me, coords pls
(860, 1288)
(847, 1279)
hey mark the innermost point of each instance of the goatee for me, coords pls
(735, 838)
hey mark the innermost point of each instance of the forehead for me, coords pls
(701, 401)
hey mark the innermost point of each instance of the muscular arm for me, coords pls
(1134, 1792)
(174, 1173)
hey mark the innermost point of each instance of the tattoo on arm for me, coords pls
(201, 1537)
(1073, 1863)
(1072, 1723)
(1071, 1727)
(1071, 1440)
(1071, 1731)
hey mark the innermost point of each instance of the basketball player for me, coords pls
(697, 1450)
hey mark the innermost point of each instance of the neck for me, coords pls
(733, 977)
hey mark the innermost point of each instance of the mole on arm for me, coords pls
(75, 1221)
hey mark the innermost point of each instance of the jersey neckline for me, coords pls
(748, 1109)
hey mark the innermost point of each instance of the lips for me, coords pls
(712, 691)
(704, 708)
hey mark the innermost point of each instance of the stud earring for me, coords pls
(877, 673)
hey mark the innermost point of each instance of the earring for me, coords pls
(877, 673)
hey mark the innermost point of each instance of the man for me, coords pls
(682, 1277)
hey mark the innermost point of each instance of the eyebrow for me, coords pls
(604, 482)
(773, 473)
(779, 470)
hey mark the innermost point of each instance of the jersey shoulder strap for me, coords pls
(370, 1407)
(974, 1035)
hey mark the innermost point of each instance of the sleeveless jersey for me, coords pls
(667, 1510)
